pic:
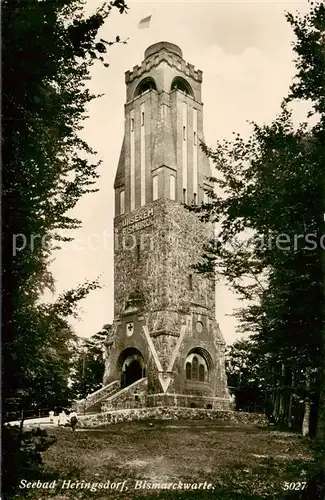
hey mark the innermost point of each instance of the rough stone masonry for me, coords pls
(166, 347)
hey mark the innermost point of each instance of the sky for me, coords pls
(244, 50)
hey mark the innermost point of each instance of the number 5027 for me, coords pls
(294, 486)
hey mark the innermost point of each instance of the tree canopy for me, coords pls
(49, 47)
(88, 367)
(269, 205)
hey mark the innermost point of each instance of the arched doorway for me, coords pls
(132, 372)
(132, 366)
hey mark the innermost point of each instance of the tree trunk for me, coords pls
(320, 433)
(282, 396)
(320, 430)
(277, 404)
(281, 407)
(306, 419)
(290, 399)
(305, 422)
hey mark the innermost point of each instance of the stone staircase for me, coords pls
(93, 402)
(132, 396)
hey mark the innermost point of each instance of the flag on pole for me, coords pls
(144, 23)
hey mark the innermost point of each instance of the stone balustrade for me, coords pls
(132, 396)
(96, 397)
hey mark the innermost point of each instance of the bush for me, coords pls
(21, 451)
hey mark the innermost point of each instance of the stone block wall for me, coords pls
(159, 271)
(170, 244)
(189, 401)
(164, 413)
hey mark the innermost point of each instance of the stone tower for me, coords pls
(166, 347)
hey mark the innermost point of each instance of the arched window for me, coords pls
(188, 370)
(195, 368)
(146, 84)
(182, 85)
(201, 373)
(197, 365)
(134, 301)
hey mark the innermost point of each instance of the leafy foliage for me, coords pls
(248, 374)
(88, 367)
(49, 48)
(22, 456)
(310, 85)
(269, 206)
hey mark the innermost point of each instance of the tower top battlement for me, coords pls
(167, 52)
(156, 47)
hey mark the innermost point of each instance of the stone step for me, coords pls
(92, 403)
(126, 397)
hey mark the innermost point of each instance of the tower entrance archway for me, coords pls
(132, 366)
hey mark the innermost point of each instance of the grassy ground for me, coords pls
(241, 462)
